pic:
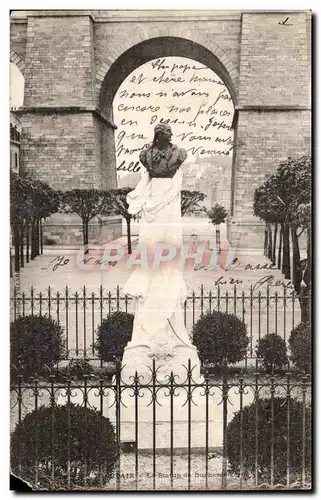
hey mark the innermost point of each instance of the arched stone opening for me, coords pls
(155, 48)
(110, 77)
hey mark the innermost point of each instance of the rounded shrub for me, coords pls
(220, 337)
(113, 335)
(300, 346)
(36, 344)
(272, 350)
(79, 442)
(288, 415)
(78, 368)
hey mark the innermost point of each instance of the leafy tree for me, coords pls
(45, 202)
(268, 207)
(190, 200)
(87, 203)
(281, 199)
(116, 203)
(31, 201)
(294, 189)
(20, 207)
(217, 216)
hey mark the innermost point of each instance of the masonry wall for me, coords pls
(18, 38)
(226, 32)
(274, 60)
(59, 69)
(60, 149)
(274, 109)
(265, 138)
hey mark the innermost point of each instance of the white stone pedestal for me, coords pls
(170, 416)
(170, 421)
(167, 358)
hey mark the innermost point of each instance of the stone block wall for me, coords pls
(274, 115)
(60, 149)
(59, 62)
(274, 59)
(63, 229)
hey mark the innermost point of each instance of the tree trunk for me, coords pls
(266, 236)
(32, 239)
(270, 247)
(309, 253)
(27, 240)
(218, 238)
(22, 260)
(274, 244)
(41, 237)
(16, 249)
(305, 297)
(296, 271)
(280, 247)
(304, 300)
(129, 242)
(37, 238)
(11, 270)
(286, 266)
(85, 234)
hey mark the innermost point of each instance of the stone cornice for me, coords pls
(272, 107)
(141, 15)
(66, 109)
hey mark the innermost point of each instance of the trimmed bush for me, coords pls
(263, 424)
(113, 335)
(272, 350)
(81, 434)
(300, 347)
(36, 344)
(78, 368)
(220, 337)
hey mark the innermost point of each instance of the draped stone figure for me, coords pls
(159, 290)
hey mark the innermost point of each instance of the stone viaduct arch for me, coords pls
(128, 57)
(74, 61)
(17, 60)
(110, 76)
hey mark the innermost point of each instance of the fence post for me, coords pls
(189, 423)
(118, 403)
(304, 389)
(154, 395)
(272, 389)
(256, 397)
(136, 394)
(225, 401)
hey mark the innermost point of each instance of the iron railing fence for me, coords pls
(81, 312)
(176, 434)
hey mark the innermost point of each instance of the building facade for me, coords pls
(15, 140)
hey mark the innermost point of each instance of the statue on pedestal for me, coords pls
(159, 291)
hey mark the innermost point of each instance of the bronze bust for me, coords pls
(162, 159)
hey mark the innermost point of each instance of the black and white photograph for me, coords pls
(161, 245)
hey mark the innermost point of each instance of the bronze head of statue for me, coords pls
(162, 158)
(162, 135)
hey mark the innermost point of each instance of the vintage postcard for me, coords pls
(160, 250)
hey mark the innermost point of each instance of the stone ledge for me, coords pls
(66, 109)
